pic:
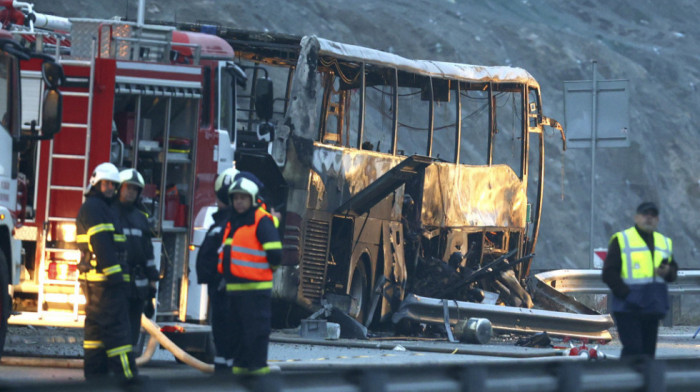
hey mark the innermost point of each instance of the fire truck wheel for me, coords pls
(358, 293)
(4, 300)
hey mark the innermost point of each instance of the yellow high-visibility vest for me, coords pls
(638, 263)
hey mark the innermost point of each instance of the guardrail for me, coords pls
(588, 325)
(587, 281)
(677, 375)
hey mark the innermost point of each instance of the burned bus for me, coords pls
(393, 176)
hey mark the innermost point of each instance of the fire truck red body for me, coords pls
(140, 96)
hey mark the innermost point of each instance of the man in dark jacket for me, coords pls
(249, 254)
(207, 259)
(638, 265)
(107, 343)
(143, 274)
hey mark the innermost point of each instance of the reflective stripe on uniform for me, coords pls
(92, 276)
(85, 238)
(241, 249)
(92, 344)
(250, 264)
(127, 278)
(239, 371)
(119, 350)
(123, 353)
(249, 286)
(133, 232)
(100, 228)
(272, 245)
(112, 269)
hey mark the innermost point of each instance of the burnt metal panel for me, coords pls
(473, 196)
(362, 201)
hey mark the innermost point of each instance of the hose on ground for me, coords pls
(156, 337)
(42, 362)
(167, 344)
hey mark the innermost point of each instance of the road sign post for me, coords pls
(597, 115)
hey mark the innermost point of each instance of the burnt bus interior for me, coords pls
(376, 110)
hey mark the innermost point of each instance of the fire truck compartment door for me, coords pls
(384, 185)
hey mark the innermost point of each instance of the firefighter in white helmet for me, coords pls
(207, 258)
(139, 249)
(251, 250)
(107, 343)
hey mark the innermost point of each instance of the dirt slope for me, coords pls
(652, 44)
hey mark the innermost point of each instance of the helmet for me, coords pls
(104, 171)
(245, 186)
(131, 176)
(223, 182)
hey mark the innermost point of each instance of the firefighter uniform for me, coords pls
(249, 254)
(141, 261)
(107, 343)
(207, 259)
(640, 295)
(142, 275)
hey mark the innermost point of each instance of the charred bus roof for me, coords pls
(284, 49)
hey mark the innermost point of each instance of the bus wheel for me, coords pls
(4, 300)
(358, 293)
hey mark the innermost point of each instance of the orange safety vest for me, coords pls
(248, 258)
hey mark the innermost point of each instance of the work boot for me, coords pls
(140, 383)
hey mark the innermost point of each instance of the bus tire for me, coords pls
(5, 303)
(358, 293)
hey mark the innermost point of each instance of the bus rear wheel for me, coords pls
(358, 293)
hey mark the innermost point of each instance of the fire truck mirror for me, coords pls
(51, 113)
(263, 98)
(52, 73)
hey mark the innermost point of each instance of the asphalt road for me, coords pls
(291, 356)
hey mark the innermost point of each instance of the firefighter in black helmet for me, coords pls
(143, 274)
(107, 343)
(207, 258)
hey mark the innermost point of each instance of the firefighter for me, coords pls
(207, 259)
(249, 254)
(107, 343)
(143, 274)
(638, 265)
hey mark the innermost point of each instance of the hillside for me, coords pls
(649, 44)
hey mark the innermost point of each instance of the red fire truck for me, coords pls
(14, 139)
(137, 95)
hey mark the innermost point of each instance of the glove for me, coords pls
(149, 310)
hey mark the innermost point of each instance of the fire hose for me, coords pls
(167, 344)
(157, 337)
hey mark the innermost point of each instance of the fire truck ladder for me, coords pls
(50, 219)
